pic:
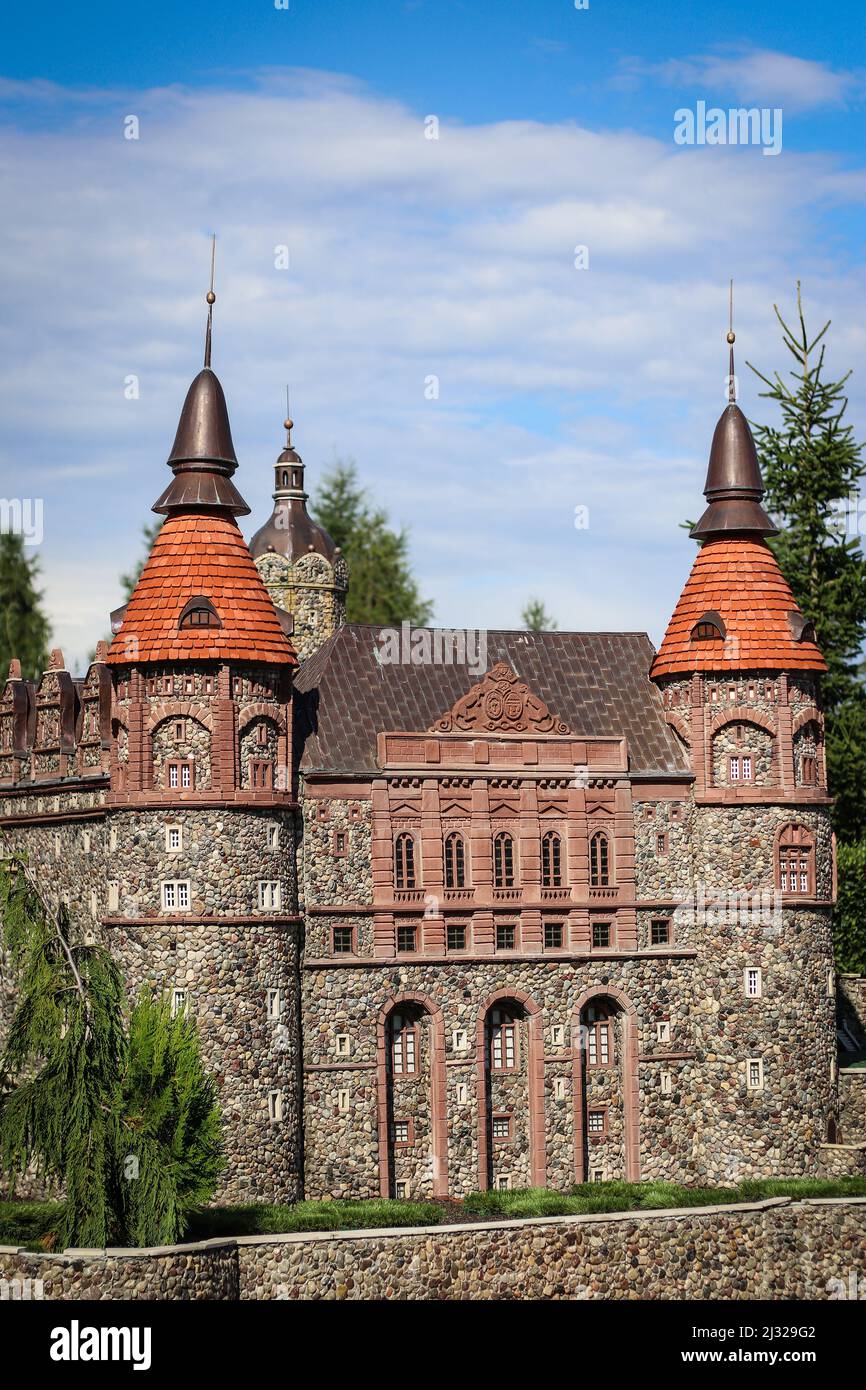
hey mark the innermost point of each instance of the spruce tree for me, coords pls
(24, 630)
(535, 617)
(381, 586)
(812, 467)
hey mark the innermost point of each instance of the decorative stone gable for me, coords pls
(500, 703)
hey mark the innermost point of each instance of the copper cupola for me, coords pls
(290, 530)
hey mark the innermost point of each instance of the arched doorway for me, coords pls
(605, 1089)
(511, 1141)
(412, 1126)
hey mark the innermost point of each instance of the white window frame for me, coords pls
(270, 894)
(178, 1002)
(460, 1040)
(758, 1084)
(557, 1035)
(273, 1003)
(343, 1045)
(174, 891)
(502, 1182)
(663, 1031)
(757, 992)
(461, 1093)
(402, 1189)
(559, 1088)
(273, 837)
(275, 1107)
(169, 847)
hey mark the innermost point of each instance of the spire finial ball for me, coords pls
(730, 337)
(287, 424)
(211, 297)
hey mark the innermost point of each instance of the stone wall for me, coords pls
(852, 1103)
(775, 1249)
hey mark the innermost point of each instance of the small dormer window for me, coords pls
(285, 478)
(708, 628)
(199, 612)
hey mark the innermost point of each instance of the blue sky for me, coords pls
(411, 258)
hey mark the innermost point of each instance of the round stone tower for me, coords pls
(739, 670)
(303, 570)
(200, 813)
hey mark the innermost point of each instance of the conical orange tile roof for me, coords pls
(200, 554)
(740, 580)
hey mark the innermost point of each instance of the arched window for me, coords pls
(199, 612)
(599, 860)
(455, 865)
(404, 861)
(503, 860)
(599, 1042)
(710, 627)
(503, 1040)
(551, 860)
(404, 1044)
(796, 855)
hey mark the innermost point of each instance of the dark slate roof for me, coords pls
(596, 682)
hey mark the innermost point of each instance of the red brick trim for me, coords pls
(535, 1080)
(631, 1112)
(261, 710)
(810, 715)
(179, 709)
(682, 726)
(742, 714)
(438, 1111)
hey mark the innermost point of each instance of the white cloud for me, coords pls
(409, 257)
(759, 76)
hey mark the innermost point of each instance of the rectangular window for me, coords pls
(601, 935)
(663, 1032)
(406, 938)
(261, 773)
(343, 1045)
(553, 936)
(270, 895)
(113, 896)
(179, 731)
(207, 685)
(402, 1133)
(662, 842)
(404, 1046)
(340, 843)
(598, 1044)
(178, 1002)
(273, 837)
(752, 982)
(274, 1003)
(344, 1103)
(560, 1091)
(173, 839)
(180, 775)
(402, 1189)
(175, 895)
(459, 1040)
(746, 767)
(456, 936)
(660, 932)
(503, 1042)
(808, 771)
(735, 769)
(596, 1122)
(502, 1183)
(505, 936)
(461, 1093)
(755, 1074)
(666, 1083)
(501, 1127)
(275, 1107)
(262, 735)
(557, 1035)
(343, 941)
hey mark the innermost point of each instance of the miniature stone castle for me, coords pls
(567, 919)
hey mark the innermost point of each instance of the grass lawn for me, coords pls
(32, 1224)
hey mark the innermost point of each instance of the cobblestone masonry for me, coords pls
(775, 1249)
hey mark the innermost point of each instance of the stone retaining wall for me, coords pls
(773, 1249)
(852, 1103)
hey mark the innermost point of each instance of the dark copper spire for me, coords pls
(203, 456)
(290, 530)
(734, 487)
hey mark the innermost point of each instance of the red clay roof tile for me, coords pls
(741, 581)
(201, 554)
